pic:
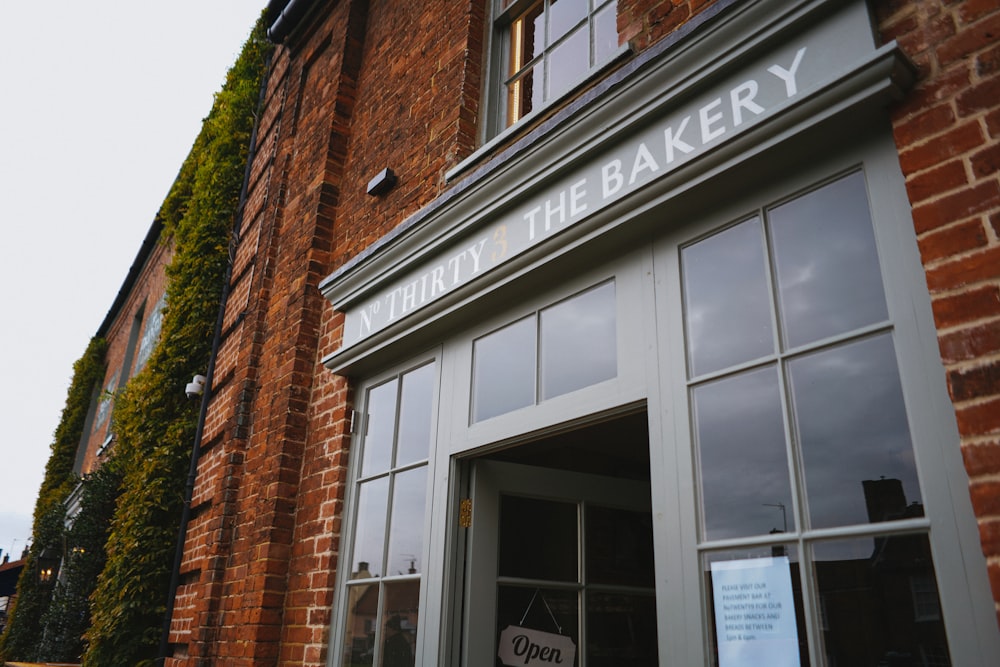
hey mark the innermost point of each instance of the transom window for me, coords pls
(542, 356)
(547, 47)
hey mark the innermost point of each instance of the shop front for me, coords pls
(660, 383)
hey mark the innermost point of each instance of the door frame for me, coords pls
(488, 480)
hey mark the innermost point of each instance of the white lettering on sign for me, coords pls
(788, 75)
(741, 98)
(654, 152)
(426, 287)
(683, 138)
(524, 646)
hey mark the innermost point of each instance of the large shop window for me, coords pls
(389, 495)
(545, 47)
(802, 440)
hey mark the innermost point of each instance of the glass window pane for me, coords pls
(755, 607)
(504, 370)
(568, 63)
(359, 631)
(568, 38)
(605, 33)
(564, 15)
(745, 486)
(399, 624)
(406, 529)
(727, 303)
(526, 34)
(538, 539)
(826, 265)
(621, 630)
(369, 535)
(878, 601)
(524, 94)
(578, 342)
(854, 436)
(619, 547)
(415, 412)
(380, 429)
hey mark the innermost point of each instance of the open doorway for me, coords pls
(559, 561)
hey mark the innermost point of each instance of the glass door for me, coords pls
(560, 568)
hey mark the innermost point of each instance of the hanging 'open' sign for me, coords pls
(524, 646)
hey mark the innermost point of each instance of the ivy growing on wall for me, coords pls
(117, 555)
(154, 422)
(68, 615)
(21, 636)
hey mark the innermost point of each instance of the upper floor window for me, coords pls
(544, 48)
(152, 333)
(104, 409)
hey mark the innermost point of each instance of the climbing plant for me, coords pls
(154, 422)
(21, 637)
(68, 615)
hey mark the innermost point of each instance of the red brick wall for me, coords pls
(343, 102)
(149, 286)
(645, 22)
(417, 102)
(349, 98)
(948, 134)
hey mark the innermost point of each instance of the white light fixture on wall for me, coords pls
(196, 387)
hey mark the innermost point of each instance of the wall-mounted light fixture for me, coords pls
(382, 183)
(196, 387)
(48, 566)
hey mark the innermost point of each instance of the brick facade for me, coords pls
(124, 327)
(948, 134)
(371, 85)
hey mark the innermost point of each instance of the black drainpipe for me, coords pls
(206, 395)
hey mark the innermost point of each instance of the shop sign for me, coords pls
(755, 613)
(683, 133)
(524, 646)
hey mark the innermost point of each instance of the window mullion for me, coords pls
(377, 653)
(811, 604)
(799, 510)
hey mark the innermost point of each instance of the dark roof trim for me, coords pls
(148, 244)
(284, 16)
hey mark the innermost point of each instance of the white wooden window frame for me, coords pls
(652, 371)
(340, 611)
(627, 387)
(839, 127)
(949, 521)
(495, 96)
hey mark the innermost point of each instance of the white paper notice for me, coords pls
(755, 613)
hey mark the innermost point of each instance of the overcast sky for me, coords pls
(100, 103)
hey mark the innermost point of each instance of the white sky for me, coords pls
(100, 103)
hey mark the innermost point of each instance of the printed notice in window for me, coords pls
(755, 613)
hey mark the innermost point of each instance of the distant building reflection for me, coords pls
(881, 609)
(878, 598)
(400, 604)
